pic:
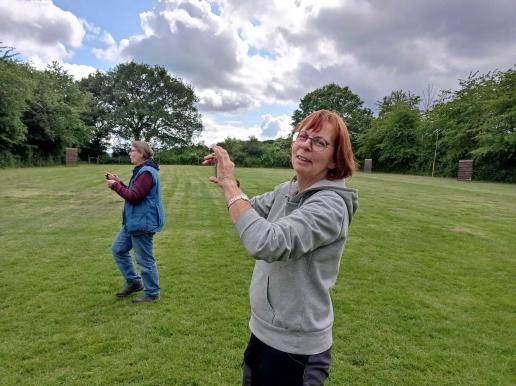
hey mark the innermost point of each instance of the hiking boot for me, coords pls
(145, 299)
(135, 286)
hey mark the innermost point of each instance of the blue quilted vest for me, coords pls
(148, 215)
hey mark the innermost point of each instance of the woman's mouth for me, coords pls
(301, 158)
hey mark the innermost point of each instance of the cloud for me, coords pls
(216, 132)
(78, 71)
(407, 45)
(221, 100)
(239, 55)
(275, 126)
(189, 40)
(249, 53)
(271, 127)
(39, 30)
(209, 51)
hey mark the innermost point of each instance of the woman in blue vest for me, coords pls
(143, 216)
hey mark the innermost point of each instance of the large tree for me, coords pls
(16, 88)
(393, 139)
(96, 116)
(339, 99)
(54, 113)
(478, 121)
(398, 99)
(142, 102)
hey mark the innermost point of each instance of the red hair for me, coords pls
(343, 153)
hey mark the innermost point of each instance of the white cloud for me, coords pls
(276, 51)
(275, 126)
(271, 127)
(251, 53)
(78, 71)
(39, 30)
(215, 132)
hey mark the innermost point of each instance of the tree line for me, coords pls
(42, 112)
(415, 135)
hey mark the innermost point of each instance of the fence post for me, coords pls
(71, 156)
(368, 165)
(465, 171)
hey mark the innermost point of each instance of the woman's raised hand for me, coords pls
(225, 168)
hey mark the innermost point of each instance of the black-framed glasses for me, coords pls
(318, 143)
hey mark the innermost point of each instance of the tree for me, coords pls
(428, 98)
(277, 152)
(54, 114)
(7, 53)
(392, 141)
(478, 121)
(96, 116)
(396, 100)
(141, 102)
(15, 79)
(339, 99)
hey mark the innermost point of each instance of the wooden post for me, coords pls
(465, 171)
(368, 165)
(72, 156)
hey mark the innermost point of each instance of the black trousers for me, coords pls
(266, 366)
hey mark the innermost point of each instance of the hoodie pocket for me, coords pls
(259, 297)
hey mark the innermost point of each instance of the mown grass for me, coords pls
(426, 293)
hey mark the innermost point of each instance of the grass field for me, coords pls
(426, 292)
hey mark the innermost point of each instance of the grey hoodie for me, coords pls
(297, 240)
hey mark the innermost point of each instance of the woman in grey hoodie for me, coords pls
(297, 234)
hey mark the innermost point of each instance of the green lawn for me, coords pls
(426, 293)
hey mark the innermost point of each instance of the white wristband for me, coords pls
(234, 199)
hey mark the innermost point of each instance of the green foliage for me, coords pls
(398, 99)
(478, 122)
(54, 114)
(393, 140)
(277, 153)
(16, 86)
(143, 102)
(244, 153)
(95, 116)
(190, 155)
(338, 99)
(41, 113)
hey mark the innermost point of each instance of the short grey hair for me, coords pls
(143, 148)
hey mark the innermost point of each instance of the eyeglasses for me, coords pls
(318, 143)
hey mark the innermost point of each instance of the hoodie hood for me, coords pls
(349, 195)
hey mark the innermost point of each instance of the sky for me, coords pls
(251, 62)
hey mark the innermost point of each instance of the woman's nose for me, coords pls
(306, 144)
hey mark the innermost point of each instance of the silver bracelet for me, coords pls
(234, 199)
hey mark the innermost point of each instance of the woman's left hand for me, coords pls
(110, 183)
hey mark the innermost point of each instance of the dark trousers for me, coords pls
(266, 366)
